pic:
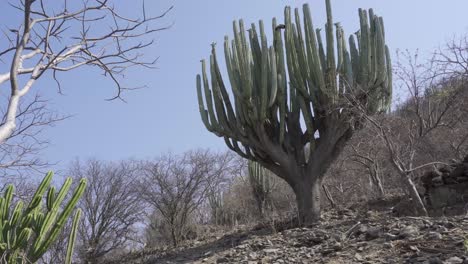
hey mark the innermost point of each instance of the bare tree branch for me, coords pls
(57, 37)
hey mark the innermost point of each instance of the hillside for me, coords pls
(342, 237)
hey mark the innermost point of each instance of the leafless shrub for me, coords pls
(111, 207)
(406, 133)
(176, 186)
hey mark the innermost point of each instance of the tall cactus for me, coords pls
(27, 233)
(294, 104)
(262, 186)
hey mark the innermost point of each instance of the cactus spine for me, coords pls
(26, 234)
(262, 185)
(300, 93)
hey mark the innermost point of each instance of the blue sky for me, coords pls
(164, 116)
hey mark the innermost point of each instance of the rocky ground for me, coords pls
(342, 237)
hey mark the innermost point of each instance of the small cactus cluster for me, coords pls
(215, 200)
(26, 233)
(262, 185)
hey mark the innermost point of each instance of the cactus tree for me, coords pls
(293, 103)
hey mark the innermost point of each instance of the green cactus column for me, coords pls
(293, 104)
(262, 186)
(26, 233)
(215, 200)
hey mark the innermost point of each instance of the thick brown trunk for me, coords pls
(308, 201)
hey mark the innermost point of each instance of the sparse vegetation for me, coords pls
(324, 164)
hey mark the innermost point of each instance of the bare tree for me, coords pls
(175, 186)
(111, 208)
(55, 37)
(19, 153)
(407, 131)
(452, 58)
(366, 154)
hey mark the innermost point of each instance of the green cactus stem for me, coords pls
(26, 234)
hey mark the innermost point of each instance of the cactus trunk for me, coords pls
(308, 200)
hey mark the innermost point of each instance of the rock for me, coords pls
(390, 237)
(453, 260)
(434, 236)
(337, 246)
(418, 240)
(447, 224)
(271, 250)
(388, 245)
(362, 229)
(435, 260)
(358, 257)
(414, 248)
(222, 260)
(409, 231)
(373, 233)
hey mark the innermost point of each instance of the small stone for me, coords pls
(373, 233)
(435, 260)
(362, 229)
(414, 248)
(390, 237)
(337, 246)
(434, 236)
(270, 250)
(388, 245)
(222, 260)
(453, 260)
(409, 231)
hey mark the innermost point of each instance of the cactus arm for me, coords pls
(203, 111)
(8, 197)
(72, 237)
(37, 197)
(51, 215)
(41, 245)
